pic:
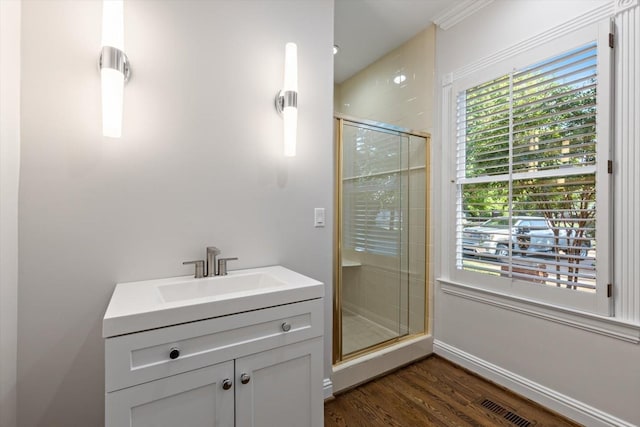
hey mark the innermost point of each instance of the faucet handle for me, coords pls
(222, 265)
(199, 267)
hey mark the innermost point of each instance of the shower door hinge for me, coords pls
(609, 166)
(611, 40)
(609, 290)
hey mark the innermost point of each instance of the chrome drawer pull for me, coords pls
(174, 353)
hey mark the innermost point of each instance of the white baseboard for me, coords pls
(357, 371)
(558, 402)
(327, 388)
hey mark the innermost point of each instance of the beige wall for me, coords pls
(372, 94)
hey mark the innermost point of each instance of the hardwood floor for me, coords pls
(435, 392)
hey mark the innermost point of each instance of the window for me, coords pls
(531, 177)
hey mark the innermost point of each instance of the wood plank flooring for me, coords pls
(435, 392)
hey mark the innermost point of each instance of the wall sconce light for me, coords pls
(115, 69)
(287, 99)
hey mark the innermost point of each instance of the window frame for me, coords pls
(600, 302)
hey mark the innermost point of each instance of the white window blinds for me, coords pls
(527, 173)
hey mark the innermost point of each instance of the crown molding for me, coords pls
(459, 12)
(622, 5)
(462, 10)
(590, 17)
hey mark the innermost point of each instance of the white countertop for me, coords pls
(139, 306)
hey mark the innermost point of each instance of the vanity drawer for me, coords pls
(145, 356)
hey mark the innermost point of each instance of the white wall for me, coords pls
(199, 164)
(580, 373)
(9, 171)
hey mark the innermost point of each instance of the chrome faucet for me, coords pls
(209, 269)
(212, 253)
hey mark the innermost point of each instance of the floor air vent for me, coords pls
(505, 413)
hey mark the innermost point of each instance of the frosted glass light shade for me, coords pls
(290, 116)
(290, 67)
(290, 112)
(112, 97)
(112, 79)
(113, 23)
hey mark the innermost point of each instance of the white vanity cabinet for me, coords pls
(257, 368)
(283, 389)
(194, 398)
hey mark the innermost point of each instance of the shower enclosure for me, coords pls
(381, 236)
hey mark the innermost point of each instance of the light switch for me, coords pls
(318, 217)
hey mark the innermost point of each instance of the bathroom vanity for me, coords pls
(238, 350)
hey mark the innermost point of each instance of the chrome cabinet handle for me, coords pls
(174, 353)
(226, 384)
(245, 378)
(286, 326)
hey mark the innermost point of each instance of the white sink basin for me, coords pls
(151, 304)
(219, 286)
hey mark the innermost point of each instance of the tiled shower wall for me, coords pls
(372, 94)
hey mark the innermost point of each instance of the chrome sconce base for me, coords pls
(287, 98)
(114, 58)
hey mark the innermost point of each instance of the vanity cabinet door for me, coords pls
(196, 398)
(281, 387)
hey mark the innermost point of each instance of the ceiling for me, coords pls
(367, 29)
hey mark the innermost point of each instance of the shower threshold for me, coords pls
(379, 360)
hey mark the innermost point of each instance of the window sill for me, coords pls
(607, 326)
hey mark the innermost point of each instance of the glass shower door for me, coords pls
(374, 237)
